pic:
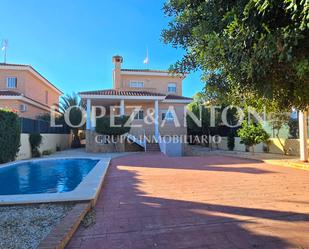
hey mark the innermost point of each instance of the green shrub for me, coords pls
(252, 134)
(35, 139)
(103, 126)
(231, 140)
(9, 135)
(202, 113)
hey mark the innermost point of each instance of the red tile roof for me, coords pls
(172, 96)
(11, 64)
(9, 93)
(121, 93)
(133, 93)
(146, 70)
(38, 102)
(29, 66)
(171, 73)
(13, 93)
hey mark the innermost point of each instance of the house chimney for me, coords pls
(117, 60)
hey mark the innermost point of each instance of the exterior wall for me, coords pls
(165, 128)
(12, 104)
(141, 126)
(291, 145)
(32, 112)
(36, 90)
(171, 148)
(241, 147)
(21, 80)
(238, 146)
(152, 83)
(170, 127)
(117, 60)
(30, 86)
(49, 142)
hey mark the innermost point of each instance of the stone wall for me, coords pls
(122, 145)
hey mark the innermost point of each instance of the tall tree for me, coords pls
(258, 46)
(72, 103)
(198, 108)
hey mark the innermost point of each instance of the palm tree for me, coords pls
(74, 102)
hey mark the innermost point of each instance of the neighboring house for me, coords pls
(146, 88)
(24, 89)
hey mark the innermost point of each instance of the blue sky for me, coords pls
(72, 42)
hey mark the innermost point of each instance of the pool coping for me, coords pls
(87, 190)
(61, 234)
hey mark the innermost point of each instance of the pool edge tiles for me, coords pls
(87, 190)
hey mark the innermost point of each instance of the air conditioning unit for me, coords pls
(23, 108)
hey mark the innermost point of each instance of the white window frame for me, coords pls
(24, 109)
(173, 86)
(139, 114)
(136, 84)
(168, 115)
(8, 82)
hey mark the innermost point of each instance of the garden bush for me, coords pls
(103, 126)
(252, 134)
(9, 135)
(35, 139)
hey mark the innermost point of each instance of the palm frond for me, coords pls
(68, 101)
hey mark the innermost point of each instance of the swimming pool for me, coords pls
(50, 180)
(49, 176)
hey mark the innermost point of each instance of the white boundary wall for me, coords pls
(291, 145)
(49, 142)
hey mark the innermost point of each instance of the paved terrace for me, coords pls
(269, 158)
(214, 202)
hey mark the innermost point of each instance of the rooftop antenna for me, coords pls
(146, 61)
(4, 47)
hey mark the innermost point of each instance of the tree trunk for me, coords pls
(76, 141)
(280, 142)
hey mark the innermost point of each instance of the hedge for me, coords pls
(9, 135)
(103, 126)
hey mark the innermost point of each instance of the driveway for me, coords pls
(216, 202)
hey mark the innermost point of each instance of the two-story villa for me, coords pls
(149, 94)
(24, 89)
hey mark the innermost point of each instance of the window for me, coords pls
(23, 108)
(136, 84)
(171, 88)
(139, 114)
(11, 82)
(168, 116)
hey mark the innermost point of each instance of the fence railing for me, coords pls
(40, 126)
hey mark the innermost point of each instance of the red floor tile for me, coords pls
(154, 201)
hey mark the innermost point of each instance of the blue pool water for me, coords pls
(44, 176)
